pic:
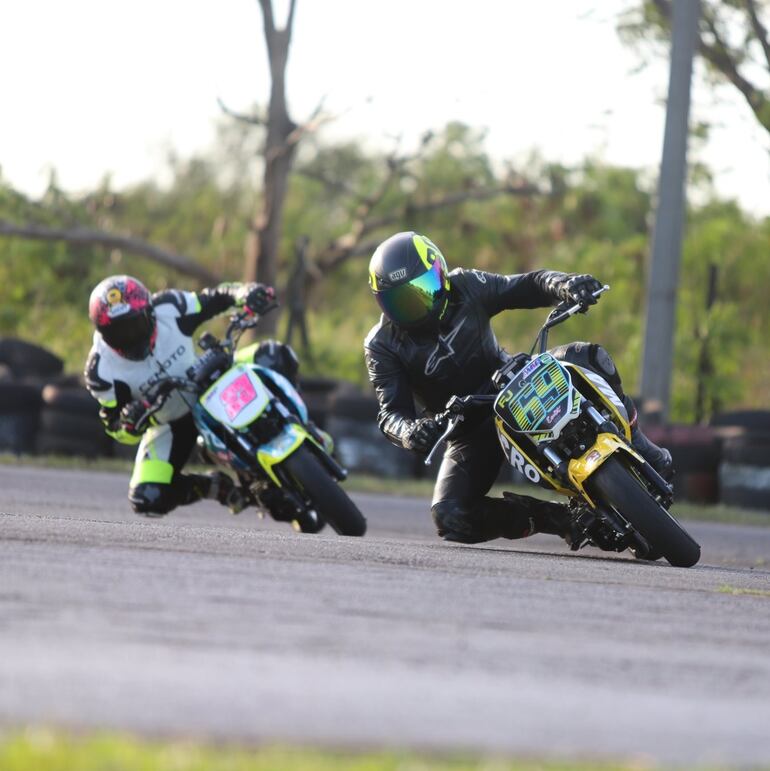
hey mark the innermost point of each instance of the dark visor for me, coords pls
(129, 332)
(414, 301)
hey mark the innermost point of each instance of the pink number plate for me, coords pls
(237, 396)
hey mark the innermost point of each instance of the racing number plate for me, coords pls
(537, 397)
(237, 396)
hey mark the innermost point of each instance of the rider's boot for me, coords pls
(658, 457)
(544, 516)
(223, 489)
(513, 516)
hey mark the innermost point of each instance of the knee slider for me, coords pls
(454, 522)
(593, 357)
(152, 500)
(602, 360)
(605, 366)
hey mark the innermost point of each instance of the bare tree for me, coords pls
(733, 40)
(369, 223)
(278, 153)
(262, 249)
(82, 236)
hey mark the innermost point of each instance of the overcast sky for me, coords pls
(92, 86)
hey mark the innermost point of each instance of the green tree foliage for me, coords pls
(733, 42)
(591, 219)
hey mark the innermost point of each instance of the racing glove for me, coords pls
(256, 298)
(131, 415)
(423, 434)
(579, 289)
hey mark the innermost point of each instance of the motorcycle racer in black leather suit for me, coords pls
(434, 340)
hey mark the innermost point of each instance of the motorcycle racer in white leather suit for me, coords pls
(140, 338)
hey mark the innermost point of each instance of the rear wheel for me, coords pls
(613, 483)
(328, 499)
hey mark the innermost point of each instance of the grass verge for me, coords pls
(691, 511)
(41, 750)
(421, 488)
(739, 590)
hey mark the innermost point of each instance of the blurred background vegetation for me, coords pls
(593, 219)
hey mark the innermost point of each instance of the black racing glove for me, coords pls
(580, 289)
(131, 415)
(423, 434)
(256, 297)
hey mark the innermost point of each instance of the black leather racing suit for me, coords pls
(410, 369)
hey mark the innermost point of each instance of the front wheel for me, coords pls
(328, 499)
(613, 483)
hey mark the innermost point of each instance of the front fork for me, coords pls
(609, 441)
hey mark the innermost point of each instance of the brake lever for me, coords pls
(451, 426)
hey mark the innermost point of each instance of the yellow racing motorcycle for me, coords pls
(564, 428)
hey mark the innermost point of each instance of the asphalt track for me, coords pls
(233, 628)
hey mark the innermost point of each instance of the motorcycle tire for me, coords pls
(613, 482)
(328, 499)
(308, 522)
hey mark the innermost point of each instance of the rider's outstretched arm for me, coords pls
(196, 308)
(536, 289)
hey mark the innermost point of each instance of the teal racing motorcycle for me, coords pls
(253, 422)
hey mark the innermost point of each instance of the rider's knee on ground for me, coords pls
(456, 521)
(152, 500)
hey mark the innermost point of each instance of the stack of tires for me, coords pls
(24, 367)
(69, 423)
(19, 416)
(361, 446)
(696, 453)
(317, 393)
(744, 472)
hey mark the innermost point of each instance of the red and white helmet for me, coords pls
(121, 310)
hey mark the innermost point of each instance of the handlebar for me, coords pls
(572, 310)
(559, 314)
(241, 321)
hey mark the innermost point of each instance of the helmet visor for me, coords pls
(416, 300)
(130, 335)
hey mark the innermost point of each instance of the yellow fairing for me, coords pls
(552, 481)
(580, 469)
(281, 447)
(618, 417)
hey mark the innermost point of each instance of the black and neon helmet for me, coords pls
(409, 277)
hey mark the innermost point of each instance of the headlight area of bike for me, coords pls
(540, 402)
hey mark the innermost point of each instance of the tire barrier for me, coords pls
(696, 454)
(360, 443)
(70, 425)
(748, 420)
(728, 460)
(744, 473)
(316, 393)
(19, 416)
(28, 360)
